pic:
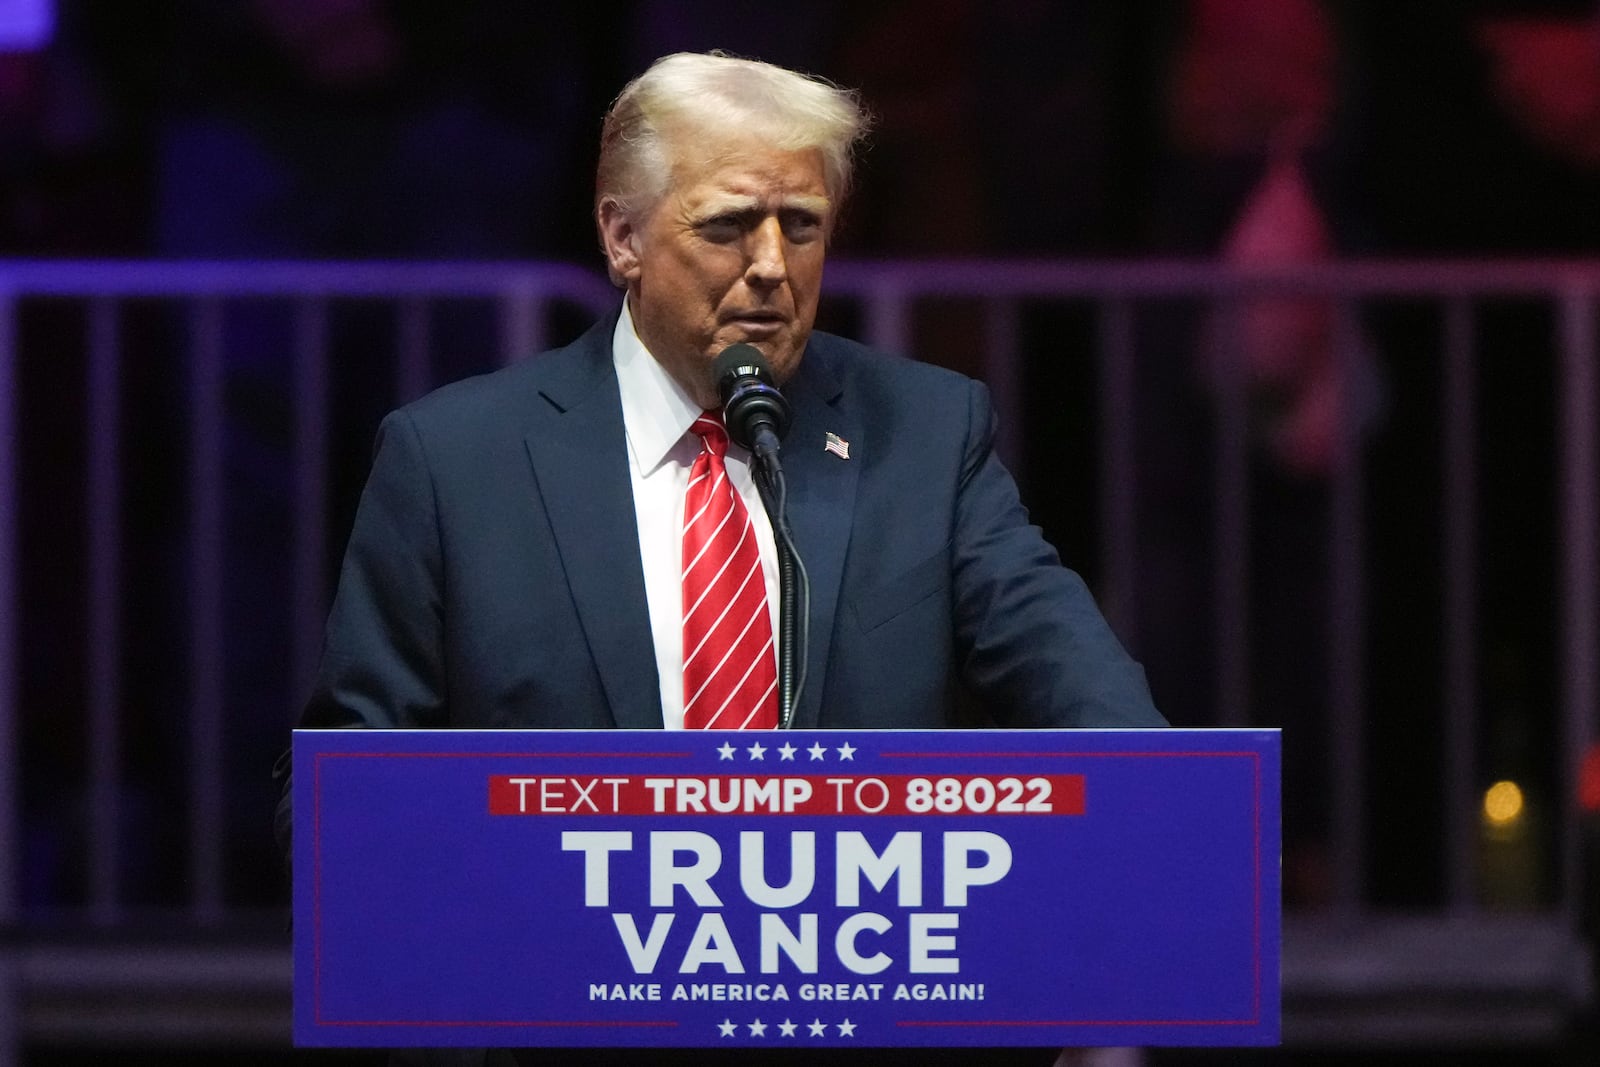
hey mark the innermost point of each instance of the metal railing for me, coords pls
(887, 297)
(889, 292)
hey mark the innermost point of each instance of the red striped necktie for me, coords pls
(730, 674)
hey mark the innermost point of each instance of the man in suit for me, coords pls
(516, 557)
(514, 560)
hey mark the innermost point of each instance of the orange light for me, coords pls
(1502, 804)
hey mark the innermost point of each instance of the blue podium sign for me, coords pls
(813, 889)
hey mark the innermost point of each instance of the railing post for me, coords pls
(1003, 373)
(888, 319)
(1458, 531)
(1347, 624)
(413, 375)
(1580, 573)
(10, 800)
(1119, 489)
(104, 611)
(10, 1009)
(206, 647)
(1231, 522)
(522, 315)
(309, 477)
(10, 732)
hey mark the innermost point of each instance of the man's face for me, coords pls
(732, 252)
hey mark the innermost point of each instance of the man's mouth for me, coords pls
(758, 323)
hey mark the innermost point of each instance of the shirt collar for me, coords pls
(656, 411)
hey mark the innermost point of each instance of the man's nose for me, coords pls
(768, 254)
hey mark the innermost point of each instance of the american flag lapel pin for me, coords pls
(832, 442)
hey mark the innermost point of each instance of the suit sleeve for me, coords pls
(383, 661)
(1031, 641)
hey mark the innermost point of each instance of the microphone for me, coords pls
(757, 416)
(755, 413)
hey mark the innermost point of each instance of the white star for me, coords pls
(817, 1027)
(787, 751)
(725, 751)
(727, 1027)
(758, 1029)
(757, 750)
(817, 751)
(847, 1029)
(786, 1028)
(847, 751)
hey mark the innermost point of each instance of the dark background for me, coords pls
(362, 129)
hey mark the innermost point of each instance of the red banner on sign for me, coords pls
(890, 794)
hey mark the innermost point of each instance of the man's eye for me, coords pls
(802, 226)
(721, 228)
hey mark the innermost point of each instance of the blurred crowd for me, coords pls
(420, 127)
(1254, 132)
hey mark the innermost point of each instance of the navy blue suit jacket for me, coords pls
(493, 578)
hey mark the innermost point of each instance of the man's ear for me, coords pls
(619, 239)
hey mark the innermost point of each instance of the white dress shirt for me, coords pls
(657, 414)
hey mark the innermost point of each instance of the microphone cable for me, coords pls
(794, 592)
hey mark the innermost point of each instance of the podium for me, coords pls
(807, 889)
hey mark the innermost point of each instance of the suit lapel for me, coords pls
(821, 508)
(580, 459)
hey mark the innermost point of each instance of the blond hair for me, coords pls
(687, 94)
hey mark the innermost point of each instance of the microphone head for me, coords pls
(751, 401)
(740, 361)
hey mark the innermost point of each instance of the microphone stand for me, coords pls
(794, 587)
